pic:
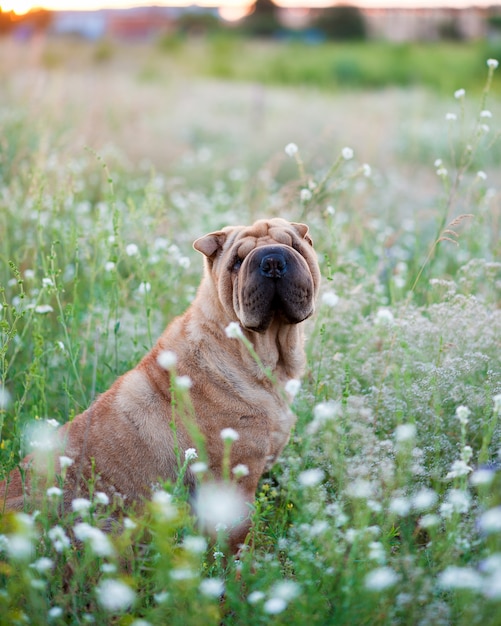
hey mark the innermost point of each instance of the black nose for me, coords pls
(273, 265)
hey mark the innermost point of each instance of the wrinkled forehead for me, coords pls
(244, 240)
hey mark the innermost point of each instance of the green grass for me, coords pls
(384, 508)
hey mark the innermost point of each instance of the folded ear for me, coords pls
(211, 243)
(303, 231)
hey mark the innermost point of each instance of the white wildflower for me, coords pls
(144, 288)
(360, 488)
(80, 505)
(490, 521)
(54, 612)
(190, 454)
(5, 398)
(101, 498)
(485, 114)
(458, 468)
(234, 331)
(65, 461)
(438, 162)
(195, 544)
(497, 404)
(305, 195)
(381, 578)
(330, 298)
(95, 538)
(400, 506)
(459, 93)
(19, 546)
(163, 504)
(347, 153)
(109, 266)
(451, 117)
(47, 282)
(367, 171)
(229, 434)
(484, 128)
(292, 387)
(183, 382)
(273, 606)
(114, 595)
(481, 175)
(492, 64)
(442, 171)
(219, 505)
(183, 573)
(287, 590)
(405, 432)
(384, 317)
(429, 521)
(43, 564)
(240, 470)
(166, 359)
(199, 467)
(462, 414)
(40, 436)
(311, 477)
(54, 492)
(255, 596)
(377, 552)
(42, 309)
(457, 501)
(212, 587)
(184, 262)
(454, 577)
(482, 476)
(108, 568)
(131, 249)
(59, 538)
(291, 149)
(424, 499)
(29, 274)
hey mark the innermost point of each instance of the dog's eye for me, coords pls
(236, 264)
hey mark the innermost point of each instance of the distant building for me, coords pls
(86, 24)
(426, 24)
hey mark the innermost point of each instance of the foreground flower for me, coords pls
(381, 578)
(492, 64)
(233, 331)
(347, 153)
(311, 477)
(95, 538)
(291, 149)
(459, 93)
(229, 434)
(212, 587)
(460, 578)
(219, 506)
(166, 359)
(114, 595)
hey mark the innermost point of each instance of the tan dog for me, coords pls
(264, 277)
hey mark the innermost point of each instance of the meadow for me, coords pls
(385, 507)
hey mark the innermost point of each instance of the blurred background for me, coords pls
(193, 91)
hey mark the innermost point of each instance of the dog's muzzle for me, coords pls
(273, 281)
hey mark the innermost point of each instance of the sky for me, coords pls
(22, 6)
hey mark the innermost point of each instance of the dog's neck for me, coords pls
(280, 349)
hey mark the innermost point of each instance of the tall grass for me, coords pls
(385, 507)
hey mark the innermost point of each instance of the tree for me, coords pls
(263, 21)
(342, 22)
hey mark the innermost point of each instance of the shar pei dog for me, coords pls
(261, 281)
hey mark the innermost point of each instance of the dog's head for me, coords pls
(263, 272)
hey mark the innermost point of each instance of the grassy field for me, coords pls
(385, 507)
